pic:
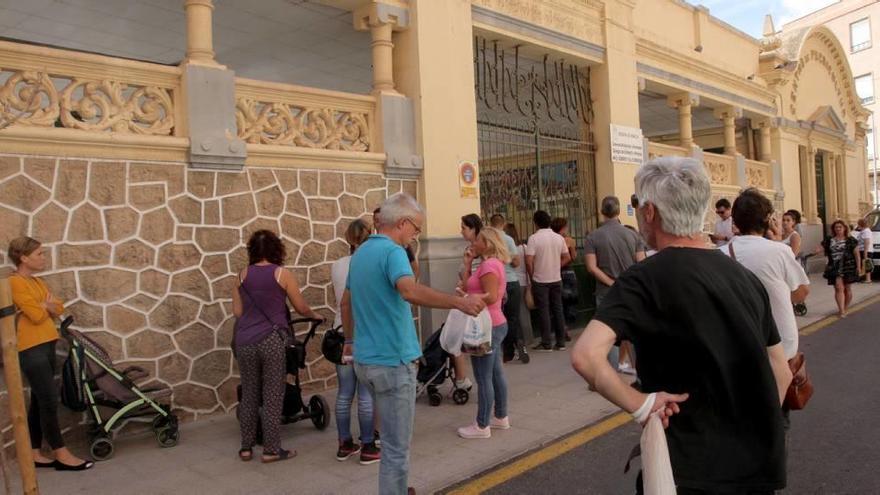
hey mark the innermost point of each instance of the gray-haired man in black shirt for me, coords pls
(710, 359)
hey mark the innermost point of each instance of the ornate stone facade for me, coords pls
(145, 254)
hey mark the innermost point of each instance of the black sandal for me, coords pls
(246, 454)
(281, 455)
(60, 466)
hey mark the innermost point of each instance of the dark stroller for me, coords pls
(435, 366)
(102, 385)
(294, 409)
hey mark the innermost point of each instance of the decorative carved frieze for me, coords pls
(758, 175)
(720, 168)
(31, 98)
(295, 125)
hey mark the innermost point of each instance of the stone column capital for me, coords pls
(377, 14)
(764, 124)
(728, 112)
(679, 100)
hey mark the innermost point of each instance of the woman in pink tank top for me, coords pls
(489, 280)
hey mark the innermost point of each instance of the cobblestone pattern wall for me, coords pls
(144, 255)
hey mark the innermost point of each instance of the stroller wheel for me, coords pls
(101, 448)
(460, 396)
(168, 436)
(319, 410)
(435, 398)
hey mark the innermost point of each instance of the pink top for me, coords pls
(490, 265)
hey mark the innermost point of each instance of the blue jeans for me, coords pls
(491, 384)
(348, 383)
(394, 391)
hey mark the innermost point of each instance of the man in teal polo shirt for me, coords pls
(376, 304)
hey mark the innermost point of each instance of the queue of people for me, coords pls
(731, 306)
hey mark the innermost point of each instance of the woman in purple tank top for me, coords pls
(261, 333)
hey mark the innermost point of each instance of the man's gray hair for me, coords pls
(679, 189)
(397, 207)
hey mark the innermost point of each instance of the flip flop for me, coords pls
(281, 455)
(246, 454)
(60, 466)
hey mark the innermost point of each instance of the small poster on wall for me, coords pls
(468, 184)
(627, 145)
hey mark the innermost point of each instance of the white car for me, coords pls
(873, 219)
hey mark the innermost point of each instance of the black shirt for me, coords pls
(701, 324)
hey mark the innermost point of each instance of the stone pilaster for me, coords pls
(208, 96)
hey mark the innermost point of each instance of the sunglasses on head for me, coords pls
(634, 201)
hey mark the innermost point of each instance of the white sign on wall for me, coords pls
(627, 145)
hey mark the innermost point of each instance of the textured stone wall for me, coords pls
(144, 254)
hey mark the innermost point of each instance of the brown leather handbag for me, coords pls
(801, 388)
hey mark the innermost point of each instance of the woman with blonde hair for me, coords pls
(489, 281)
(37, 337)
(356, 234)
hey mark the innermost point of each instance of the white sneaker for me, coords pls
(626, 369)
(500, 423)
(465, 384)
(474, 431)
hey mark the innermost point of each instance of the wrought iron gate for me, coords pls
(524, 168)
(534, 127)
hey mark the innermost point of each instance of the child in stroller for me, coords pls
(100, 384)
(435, 366)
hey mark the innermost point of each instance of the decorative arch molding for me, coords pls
(833, 60)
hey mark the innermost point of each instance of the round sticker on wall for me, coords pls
(467, 180)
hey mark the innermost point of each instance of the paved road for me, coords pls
(835, 442)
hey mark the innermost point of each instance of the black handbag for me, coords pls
(570, 290)
(332, 344)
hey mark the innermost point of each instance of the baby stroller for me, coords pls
(435, 366)
(294, 409)
(103, 385)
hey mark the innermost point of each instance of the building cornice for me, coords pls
(749, 95)
(492, 20)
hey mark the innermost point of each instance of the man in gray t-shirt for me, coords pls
(610, 250)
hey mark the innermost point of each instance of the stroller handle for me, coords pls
(314, 323)
(65, 324)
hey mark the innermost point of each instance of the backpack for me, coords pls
(72, 393)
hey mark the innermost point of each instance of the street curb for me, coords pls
(832, 318)
(512, 468)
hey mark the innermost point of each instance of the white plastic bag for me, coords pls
(656, 468)
(453, 332)
(477, 339)
(465, 333)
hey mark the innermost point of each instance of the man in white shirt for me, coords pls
(772, 262)
(724, 225)
(546, 252)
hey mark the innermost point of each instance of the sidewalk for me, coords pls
(547, 400)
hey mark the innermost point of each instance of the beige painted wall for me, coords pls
(435, 66)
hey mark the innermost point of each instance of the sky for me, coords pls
(748, 15)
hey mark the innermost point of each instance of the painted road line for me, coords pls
(544, 455)
(518, 467)
(828, 320)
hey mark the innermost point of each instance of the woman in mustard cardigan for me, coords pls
(37, 336)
